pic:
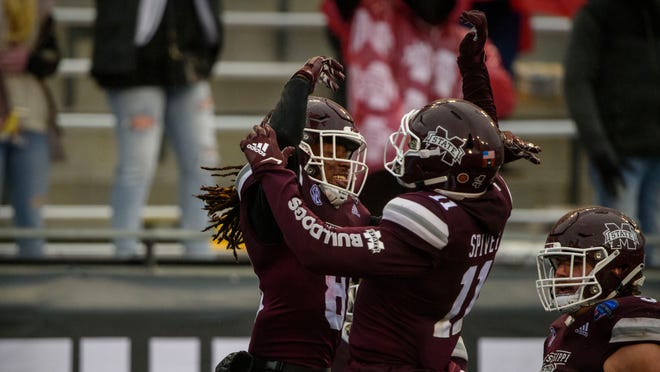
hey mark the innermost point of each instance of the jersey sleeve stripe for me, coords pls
(636, 330)
(242, 176)
(418, 219)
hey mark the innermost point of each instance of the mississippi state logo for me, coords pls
(372, 237)
(450, 149)
(621, 237)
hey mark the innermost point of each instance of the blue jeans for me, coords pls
(25, 171)
(640, 199)
(143, 114)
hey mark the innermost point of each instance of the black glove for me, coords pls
(516, 148)
(609, 167)
(261, 148)
(328, 70)
(471, 48)
(240, 361)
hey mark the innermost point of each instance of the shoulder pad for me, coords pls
(418, 219)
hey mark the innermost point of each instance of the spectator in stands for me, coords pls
(399, 55)
(28, 54)
(612, 90)
(592, 271)
(154, 58)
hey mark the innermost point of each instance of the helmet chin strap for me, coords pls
(626, 280)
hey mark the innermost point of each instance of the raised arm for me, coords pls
(290, 114)
(477, 88)
(472, 63)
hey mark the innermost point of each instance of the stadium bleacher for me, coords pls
(86, 121)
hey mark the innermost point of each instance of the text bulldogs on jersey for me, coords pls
(326, 233)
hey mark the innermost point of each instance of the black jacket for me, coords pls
(118, 62)
(612, 76)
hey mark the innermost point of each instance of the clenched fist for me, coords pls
(326, 69)
(472, 45)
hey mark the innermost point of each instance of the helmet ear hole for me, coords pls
(312, 171)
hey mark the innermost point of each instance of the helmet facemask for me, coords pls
(580, 286)
(404, 143)
(336, 161)
(608, 241)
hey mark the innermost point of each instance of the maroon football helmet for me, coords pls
(450, 144)
(605, 239)
(328, 123)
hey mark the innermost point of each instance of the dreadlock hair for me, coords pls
(222, 206)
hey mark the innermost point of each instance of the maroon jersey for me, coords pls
(422, 267)
(301, 313)
(584, 343)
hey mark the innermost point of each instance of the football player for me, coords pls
(423, 265)
(301, 313)
(591, 271)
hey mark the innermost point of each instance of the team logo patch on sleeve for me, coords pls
(372, 238)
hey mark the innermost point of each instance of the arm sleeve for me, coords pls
(288, 120)
(504, 92)
(581, 66)
(476, 85)
(290, 114)
(327, 249)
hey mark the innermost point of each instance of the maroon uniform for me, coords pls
(584, 343)
(295, 300)
(422, 267)
(301, 313)
(590, 269)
